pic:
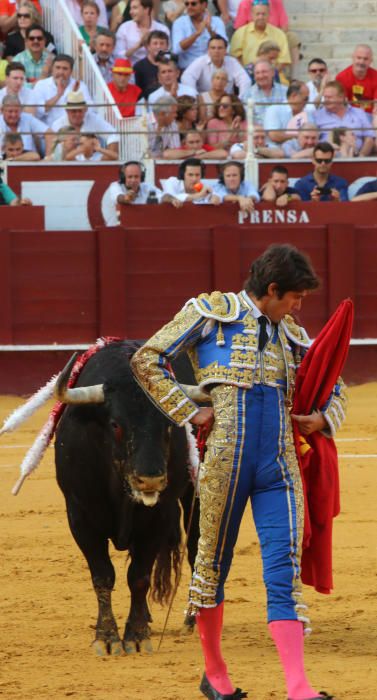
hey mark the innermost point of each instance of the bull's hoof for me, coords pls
(116, 648)
(130, 647)
(188, 625)
(108, 648)
(142, 646)
(99, 647)
(146, 646)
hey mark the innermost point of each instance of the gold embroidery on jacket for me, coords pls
(215, 479)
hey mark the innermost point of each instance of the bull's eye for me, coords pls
(117, 430)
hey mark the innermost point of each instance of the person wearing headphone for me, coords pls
(187, 187)
(131, 188)
(232, 186)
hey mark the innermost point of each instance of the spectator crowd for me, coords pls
(189, 67)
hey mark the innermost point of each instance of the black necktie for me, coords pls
(263, 335)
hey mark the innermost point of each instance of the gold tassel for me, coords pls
(304, 446)
(220, 340)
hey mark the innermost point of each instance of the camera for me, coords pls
(166, 56)
(324, 190)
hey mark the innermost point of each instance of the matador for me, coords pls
(245, 350)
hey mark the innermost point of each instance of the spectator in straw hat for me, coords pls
(76, 114)
(125, 94)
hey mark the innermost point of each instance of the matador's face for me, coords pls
(276, 308)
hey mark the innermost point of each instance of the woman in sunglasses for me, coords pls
(229, 124)
(27, 14)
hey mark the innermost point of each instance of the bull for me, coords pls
(123, 470)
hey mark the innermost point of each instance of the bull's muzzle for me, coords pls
(146, 489)
(148, 483)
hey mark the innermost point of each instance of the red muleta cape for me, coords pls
(315, 379)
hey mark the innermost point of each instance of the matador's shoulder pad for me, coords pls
(217, 305)
(295, 332)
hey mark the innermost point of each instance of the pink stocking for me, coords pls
(288, 636)
(210, 622)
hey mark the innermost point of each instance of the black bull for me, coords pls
(123, 469)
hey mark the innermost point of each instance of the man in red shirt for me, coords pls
(124, 95)
(359, 79)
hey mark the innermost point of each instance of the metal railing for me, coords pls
(68, 39)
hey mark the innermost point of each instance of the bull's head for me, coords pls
(136, 433)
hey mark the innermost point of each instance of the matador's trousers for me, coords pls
(250, 454)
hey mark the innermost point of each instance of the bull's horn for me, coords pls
(196, 394)
(78, 395)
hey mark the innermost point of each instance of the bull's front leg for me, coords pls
(137, 631)
(94, 547)
(107, 639)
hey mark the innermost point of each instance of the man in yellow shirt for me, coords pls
(247, 39)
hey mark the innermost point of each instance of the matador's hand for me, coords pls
(308, 424)
(205, 416)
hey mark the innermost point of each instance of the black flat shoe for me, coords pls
(322, 696)
(212, 694)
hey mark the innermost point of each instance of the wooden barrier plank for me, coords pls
(111, 282)
(22, 218)
(164, 268)
(312, 241)
(341, 264)
(226, 244)
(54, 287)
(365, 280)
(6, 288)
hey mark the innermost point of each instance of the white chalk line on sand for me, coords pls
(358, 439)
(351, 456)
(16, 447)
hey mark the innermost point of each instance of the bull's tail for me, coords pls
(166, 569)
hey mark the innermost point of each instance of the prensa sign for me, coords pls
(274, 216)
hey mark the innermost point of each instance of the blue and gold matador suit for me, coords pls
(250, 451)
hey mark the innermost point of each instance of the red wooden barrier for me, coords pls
(71, 287)
(22, 218)
(98, 177)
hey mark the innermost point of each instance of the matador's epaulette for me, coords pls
(295, 332)
(218, 306)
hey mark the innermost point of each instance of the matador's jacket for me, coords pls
(250, 451)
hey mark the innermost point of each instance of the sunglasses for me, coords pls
(36, 38)
(20, 14)
(317, 70)
(323, 160)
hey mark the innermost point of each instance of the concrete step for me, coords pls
(331, 7)
(313, 20)
(330, 29)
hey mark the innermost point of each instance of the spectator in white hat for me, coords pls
(76, 114)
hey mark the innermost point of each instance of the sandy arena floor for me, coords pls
(49, 608)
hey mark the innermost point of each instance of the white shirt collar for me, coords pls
(254, 309)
